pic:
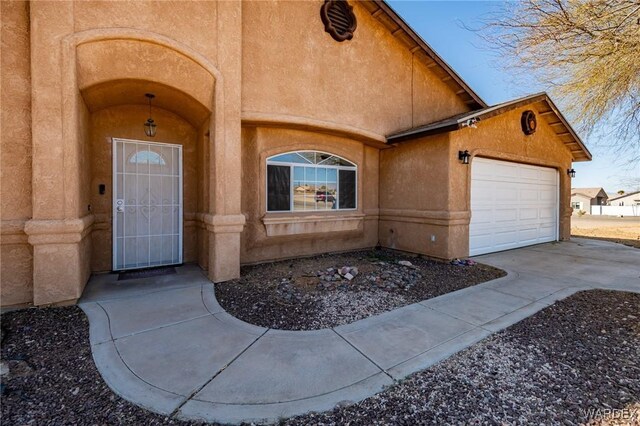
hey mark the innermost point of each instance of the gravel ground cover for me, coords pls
(581, 354)
(334, 289)
(567, 365)
(49, 377)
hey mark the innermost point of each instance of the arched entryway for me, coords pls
(106, 74)
(140, 221)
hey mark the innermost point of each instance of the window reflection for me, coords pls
(316, 182)
(147, 157)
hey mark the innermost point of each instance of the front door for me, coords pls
(147, 204)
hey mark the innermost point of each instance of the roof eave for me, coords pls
(382, 4)
(575, 136)
(582, 154)
(422, 133)
(488, 112)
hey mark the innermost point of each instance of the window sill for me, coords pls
(278, 225)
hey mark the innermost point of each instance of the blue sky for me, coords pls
(440, 23)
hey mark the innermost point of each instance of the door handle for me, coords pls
(119, 206)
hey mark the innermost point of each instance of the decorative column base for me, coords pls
(224, 246)
(565, 224)
(61, 259)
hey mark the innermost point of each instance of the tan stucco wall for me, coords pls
(319, 232)
(425, 190)
(432, 100)
(202, 198)
(371, 82)
(16, 254)
(414, 195)
(192, 23)
(126, 122)
(82, 74)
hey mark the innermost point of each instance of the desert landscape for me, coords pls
(623, 230)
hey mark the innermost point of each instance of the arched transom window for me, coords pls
(147, 157)
(310, 180)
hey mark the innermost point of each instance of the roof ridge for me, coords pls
(624, 195)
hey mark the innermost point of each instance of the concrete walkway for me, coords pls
(165, 343)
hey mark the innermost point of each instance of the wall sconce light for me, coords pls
(464, 156)
(150, 126)
(571, 173)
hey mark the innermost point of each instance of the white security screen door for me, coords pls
(147, 204)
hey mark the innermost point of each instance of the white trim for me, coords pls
(558, 206)
(114, 224)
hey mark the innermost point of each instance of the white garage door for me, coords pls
(512, 205)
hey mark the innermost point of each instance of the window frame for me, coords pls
(269, 161)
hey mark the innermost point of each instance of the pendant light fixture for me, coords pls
(149, 125)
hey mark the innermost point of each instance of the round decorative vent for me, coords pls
(529, 122)
(338, 19)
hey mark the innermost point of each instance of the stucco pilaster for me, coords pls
(60, 236)
(225, 222)
(50, 22)
(565, 208)
(61, 266)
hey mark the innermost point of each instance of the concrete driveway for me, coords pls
(165, 343)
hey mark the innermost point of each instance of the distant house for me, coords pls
(584, 198)
(632, 199)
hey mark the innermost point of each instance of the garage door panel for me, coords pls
(547, 214)
(505, 215)
(484, 216)
(505, 194)
(481, 241)
(548, 197)
(501, 170)
(548, 175)
(529, 174)
(485, 171)
(527, 235)
(548, 232)
(484, 194)
(512, 205)
(530, 213)
(528, 194)
(505, 237)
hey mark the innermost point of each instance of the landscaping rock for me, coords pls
(52, 379)
(551, 368)
(293, 298)
(555, 367)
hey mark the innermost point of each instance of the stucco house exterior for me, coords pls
(283, 129)
(630, 199)
(583, 198)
